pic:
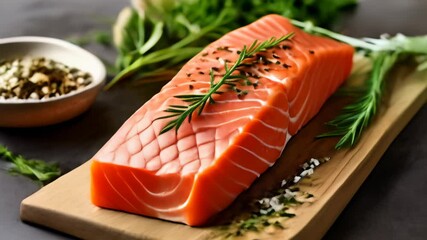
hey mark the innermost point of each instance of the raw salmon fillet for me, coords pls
(191, 175)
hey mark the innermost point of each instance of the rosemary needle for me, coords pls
(198, 101)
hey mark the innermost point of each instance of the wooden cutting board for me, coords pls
(64, 204)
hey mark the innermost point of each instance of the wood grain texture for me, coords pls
(64, 204)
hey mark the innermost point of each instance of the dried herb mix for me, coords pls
(39, 78)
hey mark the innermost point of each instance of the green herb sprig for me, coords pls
(198, 101)
(153, 37)
(383, 53)
(355, 117)
(37, 170)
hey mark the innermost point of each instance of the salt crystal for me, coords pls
(283, 183)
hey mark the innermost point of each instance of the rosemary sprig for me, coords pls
(355, 117)
(198, 101)
(38, 170)
(383, 53)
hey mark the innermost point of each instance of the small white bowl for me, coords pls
(33, 112)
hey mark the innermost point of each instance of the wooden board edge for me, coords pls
(322, 220)
(315, 228)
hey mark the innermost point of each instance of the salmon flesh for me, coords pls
(190, 175)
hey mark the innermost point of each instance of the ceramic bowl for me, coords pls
(34, 112)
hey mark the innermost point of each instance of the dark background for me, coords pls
(389, 205)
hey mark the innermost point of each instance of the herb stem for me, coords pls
(310, 28)
(177, 49)
(198, 101)
(151, 58)
(384, 53)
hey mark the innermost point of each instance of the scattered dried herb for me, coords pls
(273, 209)
(39, 78)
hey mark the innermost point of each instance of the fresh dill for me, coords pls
(383, 53)
(197, 102)
(37, 170)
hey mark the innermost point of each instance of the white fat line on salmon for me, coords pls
(159, 194)
(288, 137)
(179, 207)
(263, 103)
(305, 109)
(256, 155)
(227, 193)
(196, 129)
(230, 111)
(247, 100)
(273, 78)
(303, 81)
(232, 179)
(141, 201)
(306, 100)
(116, 191)
(268, 76)
(171, 209)
(245, 168)
(282, 130)
(330, 85)
(264, 143)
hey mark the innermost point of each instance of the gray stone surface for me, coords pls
(389, 205)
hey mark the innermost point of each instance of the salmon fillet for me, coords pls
(190, 175)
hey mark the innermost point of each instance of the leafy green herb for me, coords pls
(198, 101)
(155, 36)
(383, 53)
(35, 169)
(358, 115)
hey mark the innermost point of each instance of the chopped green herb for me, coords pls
(37, 170)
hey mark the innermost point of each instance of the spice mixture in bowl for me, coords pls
(39, 78)
(45, 81)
